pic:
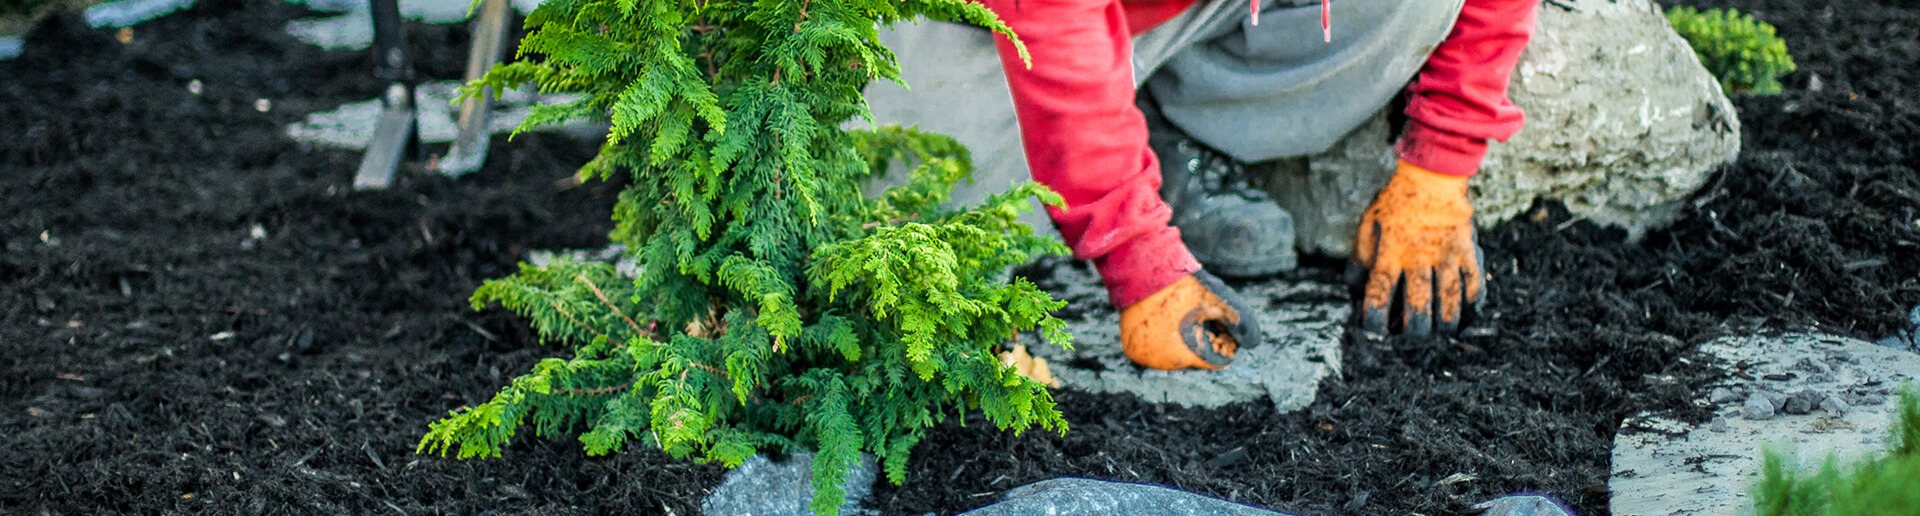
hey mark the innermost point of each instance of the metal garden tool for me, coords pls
(490, 34)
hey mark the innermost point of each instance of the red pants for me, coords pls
(1085, 139)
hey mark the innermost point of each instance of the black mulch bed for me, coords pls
(158, 357)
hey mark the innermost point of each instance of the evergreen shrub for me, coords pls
(1743, 53)
(777, 305)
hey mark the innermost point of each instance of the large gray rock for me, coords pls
(761, 487)
(1622, 124)
(1622, 121)
(1085, 496)
(1071, 496)
(1327, 192)
(1662, 466)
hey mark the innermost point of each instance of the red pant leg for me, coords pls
(1085, 139)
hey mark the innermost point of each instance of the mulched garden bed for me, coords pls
(197, 315)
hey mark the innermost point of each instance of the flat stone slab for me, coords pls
(351, 125)
(12, 46)
(353, 28)
(113, 14)
(1303, 321)
(127, 13)
(1814, 394)
(762, 487)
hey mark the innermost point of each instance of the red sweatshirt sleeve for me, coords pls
(1459, 100)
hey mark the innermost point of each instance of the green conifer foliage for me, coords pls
(1740, 51)
(776, 305)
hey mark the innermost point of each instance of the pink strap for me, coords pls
(1326, 18)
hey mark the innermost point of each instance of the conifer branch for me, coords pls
(596, 391)
(637, 330)
(711, 369)
(576, 321)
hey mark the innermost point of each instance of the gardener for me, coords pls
(1256, 86)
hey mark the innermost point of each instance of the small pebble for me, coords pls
(1778, 399)
(1802, 402)
(1808, 365)
(1719, 424)
(1835, 406)
(1722, 395)
(1758, 407)
(262, 105)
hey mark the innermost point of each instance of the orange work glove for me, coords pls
(1418, 236)
(1195, 322)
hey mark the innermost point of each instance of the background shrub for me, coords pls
(1742, 52)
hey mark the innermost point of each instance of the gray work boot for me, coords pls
(1231, 226)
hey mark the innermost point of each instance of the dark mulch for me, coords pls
(158, 358)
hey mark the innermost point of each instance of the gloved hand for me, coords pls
(1418, 235)
(1195, 322)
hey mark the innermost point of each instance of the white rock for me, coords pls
(1622, 125)
(1622, 121)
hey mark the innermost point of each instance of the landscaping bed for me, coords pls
(199, 315)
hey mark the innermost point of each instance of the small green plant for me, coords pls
(776, 306)
(1742, 52)
(1885, 485)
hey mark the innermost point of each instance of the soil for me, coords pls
(198, 315)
